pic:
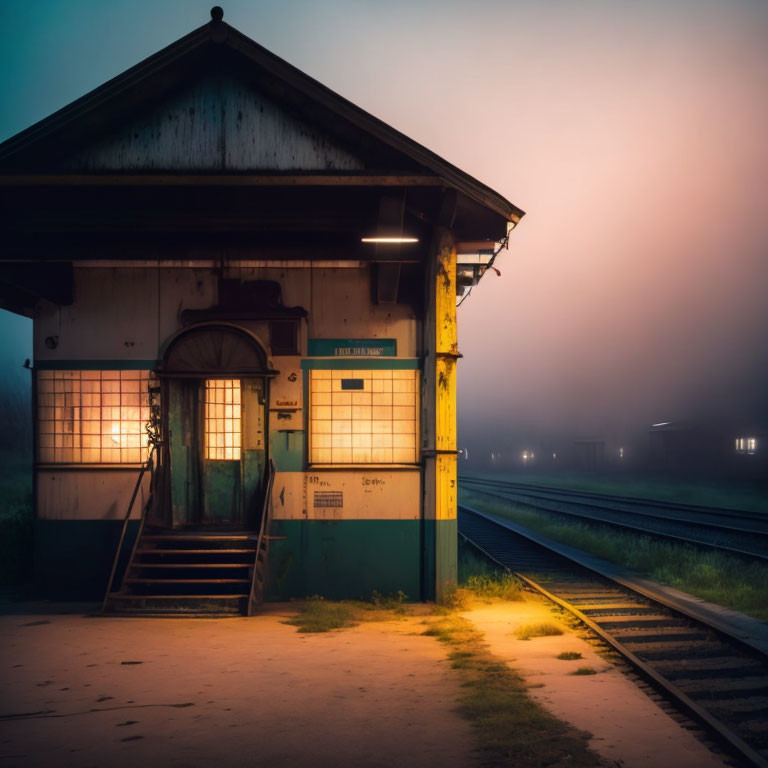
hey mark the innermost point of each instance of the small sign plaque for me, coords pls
(328, 499)
(352, 348)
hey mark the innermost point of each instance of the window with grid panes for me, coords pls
(222, 419)
(363, 417)
(92, 417)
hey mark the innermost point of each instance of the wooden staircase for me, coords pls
(192, 573)
(188, 573)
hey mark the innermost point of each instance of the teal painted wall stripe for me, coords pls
(345, 559)
(73, 558)
(362, 364)
(287, 450)
(96, 365)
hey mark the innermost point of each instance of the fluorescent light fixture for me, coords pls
(390, 239)
(661, 424)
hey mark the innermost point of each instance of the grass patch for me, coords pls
(480, 578)
(584, 671)
(544, 629)
(505, 586)
(510, 727)
(714, 576)
(569, 656)
(321, 615)
(324, 615)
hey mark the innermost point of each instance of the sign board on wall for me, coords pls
(285, 390)
(352, 348)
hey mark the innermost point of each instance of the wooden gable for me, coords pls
(218, 123)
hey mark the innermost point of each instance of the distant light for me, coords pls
(746, 445)
(390, 240)
(621, 453)
(661, 424)
(554, 455)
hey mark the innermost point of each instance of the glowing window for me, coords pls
(746, 445)
(222, 419)
(92, 417)
(363, 417)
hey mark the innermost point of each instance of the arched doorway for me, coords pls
(215, 392)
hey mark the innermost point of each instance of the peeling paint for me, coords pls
(217, 124)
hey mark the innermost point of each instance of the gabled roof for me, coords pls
(217, 44)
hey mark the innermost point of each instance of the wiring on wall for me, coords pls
(504, 244)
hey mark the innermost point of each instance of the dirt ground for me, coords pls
(229, 692)
(82, 691)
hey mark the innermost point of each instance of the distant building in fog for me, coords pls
(589, 453)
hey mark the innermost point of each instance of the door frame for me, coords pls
(198, 361)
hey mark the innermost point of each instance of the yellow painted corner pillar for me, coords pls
(439, 414)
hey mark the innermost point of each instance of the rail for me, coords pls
(258, 579)
(149, 465)
(679, 660)
(539, 500)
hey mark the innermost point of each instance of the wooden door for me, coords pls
(218, 452)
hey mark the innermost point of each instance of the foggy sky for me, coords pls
(633, 134)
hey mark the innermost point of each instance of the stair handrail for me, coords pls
(263, 538)
(148, 465)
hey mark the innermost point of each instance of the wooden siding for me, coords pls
(219, 124)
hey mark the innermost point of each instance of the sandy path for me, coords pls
(627, 726)
(260, 694)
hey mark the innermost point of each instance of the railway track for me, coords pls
(739, 533)
(715, 677)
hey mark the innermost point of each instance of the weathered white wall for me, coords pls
(218, 124)
(113, 317)
(341, 307)
(365, 494)
(93, 494)
(130, 312)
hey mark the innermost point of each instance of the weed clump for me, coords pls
(569, 656)
(321, 615)
(584, 671)
(393, 602)
(544, 629)
(504, 586)
(455, 598)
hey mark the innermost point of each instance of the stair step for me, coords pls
(213, 550)
(174, 606)
(135, 580)
(192, 565)
(197, 537)
(134, 598)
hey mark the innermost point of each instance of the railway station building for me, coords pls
(236, 272)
